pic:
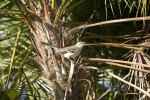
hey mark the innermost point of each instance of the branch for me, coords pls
(30, 25)
(108, 22)
(114, 37)
(32, 6)
(13, 54)
(120, 65)
(127, 46)
(46, 11)
(117, 61)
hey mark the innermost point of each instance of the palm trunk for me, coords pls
(55, 68)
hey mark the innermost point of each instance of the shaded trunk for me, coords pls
(56, 69)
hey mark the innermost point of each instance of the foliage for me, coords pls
(110, 30)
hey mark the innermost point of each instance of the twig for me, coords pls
(115, 76)
(136, 87)
(82, 32)
(105, 93)
(69, 79)
(63, 29)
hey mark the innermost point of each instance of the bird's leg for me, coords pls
(72, 60)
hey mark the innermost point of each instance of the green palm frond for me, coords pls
(117, 26)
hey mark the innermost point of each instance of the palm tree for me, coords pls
(38, 72)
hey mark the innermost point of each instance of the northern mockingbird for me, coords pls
(70, 52)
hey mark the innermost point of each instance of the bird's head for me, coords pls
(80, 44)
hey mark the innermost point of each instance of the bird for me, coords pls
(70, 52)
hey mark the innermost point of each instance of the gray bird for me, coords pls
(70, 52)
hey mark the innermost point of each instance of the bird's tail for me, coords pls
(48, 44)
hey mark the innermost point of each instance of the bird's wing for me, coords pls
(71, 49)
(61, 51)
